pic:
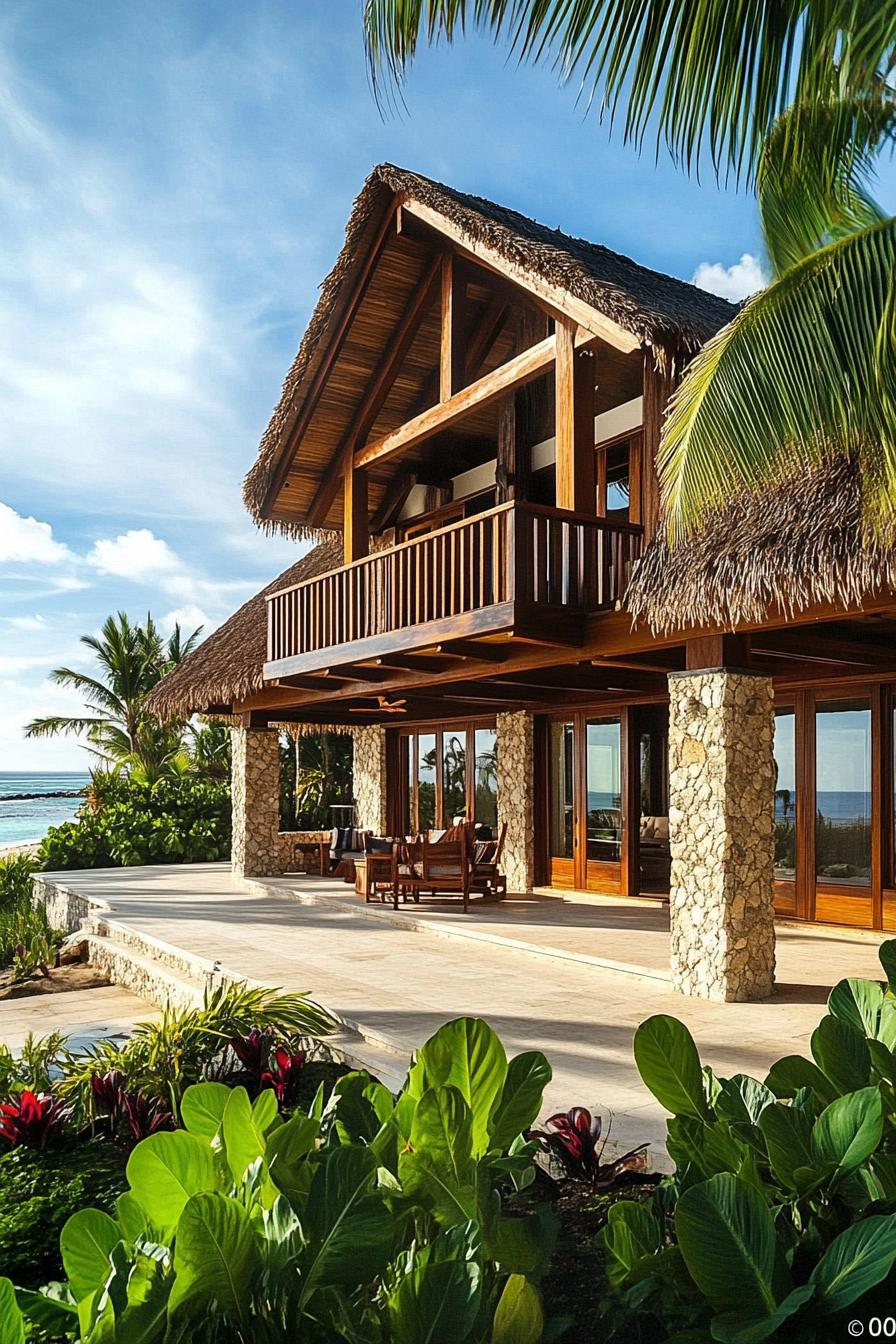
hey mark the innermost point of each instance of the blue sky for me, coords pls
(174, 183)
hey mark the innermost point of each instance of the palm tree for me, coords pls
(795, 99)
(132, 658)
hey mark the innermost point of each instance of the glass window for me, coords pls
(426, 781)
(785, 794)
(843, 791)
(486, 777)
(562, 759)
(604, 785)
(454, 777)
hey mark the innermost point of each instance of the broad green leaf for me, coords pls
(522, 1245)
(216, 1258)
(632, 1234)
(465, 1053)
(144, 1320)
(436, 1303)
(857, 1002)
(792, 1073)
(742, 1099)
(12, 1325)
(518, 1318)
(517, 1108)
(265, 1111)
(668, 1062)
(849, 1130)
(348, 1226)
(856, 1261)
(788, 1139)
(887, 956)
(733, 1328)
(131, 1216)
(728, 1241)
(286, 1154)
(438, 1167)
(202, 1108)
(841, 1052)
(165, 1170)
(244, 1142)
(86, 1242)
(49, 1309)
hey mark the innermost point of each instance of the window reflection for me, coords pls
(843, 791)
(454, 777)
(785, 794)
(562, 757)
(486, 777)
(604, 785)
(426, 781)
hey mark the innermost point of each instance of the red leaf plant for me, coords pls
(143, 1115)
(32, 1119)
(260, 1070)
(575, 1137)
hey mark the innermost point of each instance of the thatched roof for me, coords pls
(788, 547)
(658, 309)
(227, 666)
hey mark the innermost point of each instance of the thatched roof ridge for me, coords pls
(786, 548)
(227, 666)
(658, 309)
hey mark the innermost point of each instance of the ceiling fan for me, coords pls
(384, 704)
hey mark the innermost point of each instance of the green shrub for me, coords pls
(26, 939)
(39, 1191)
(782, 1208)
(372, 1217)
(183, 819)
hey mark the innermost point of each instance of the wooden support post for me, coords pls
(658, 385)
(715, 651)
(513, 466)
(451, 356)
(574, 424)
(355, 528)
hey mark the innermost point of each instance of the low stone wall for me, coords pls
(292, 862)
(66, 910)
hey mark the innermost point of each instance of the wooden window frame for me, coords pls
(407, 742)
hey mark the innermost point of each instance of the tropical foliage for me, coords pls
(315, 775)
(26, 940)
(782, 1208)
(370, 1217)
(131, 658)
(798, 100)
(132, 820)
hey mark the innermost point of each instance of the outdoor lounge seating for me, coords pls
(433, 867)
(346, 845)
(487, 878)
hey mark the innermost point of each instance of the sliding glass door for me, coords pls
(585, 821)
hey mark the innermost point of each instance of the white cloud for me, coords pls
(25, 540)
(188, 618)
(138, 555)
(26, 622)
(733, 282)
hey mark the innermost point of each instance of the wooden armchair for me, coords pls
(487, 878)
(433, 867)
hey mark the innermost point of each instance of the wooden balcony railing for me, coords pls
(524, 555)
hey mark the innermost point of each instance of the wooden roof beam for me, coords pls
(378, 390)
(558, 299)
(464, 648)
(522, 369)
(393, 500)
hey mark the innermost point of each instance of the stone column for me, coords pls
(721, 834)
(516, 797)
(369, 779)
(255, 790)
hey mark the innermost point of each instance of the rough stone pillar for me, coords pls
(255, 792)
(516, 796)
(369, 779)
(721, 834)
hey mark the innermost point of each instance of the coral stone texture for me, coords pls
(369, 779)
(721, 833)
(516, 796)
(255, 782)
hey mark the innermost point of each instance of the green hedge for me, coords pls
(180, 820)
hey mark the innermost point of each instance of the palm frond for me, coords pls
(55, 725)
(815, 173)
(711, 75)
(808, 367)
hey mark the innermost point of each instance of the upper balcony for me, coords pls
(520, 569)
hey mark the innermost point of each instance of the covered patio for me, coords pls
(572, 975)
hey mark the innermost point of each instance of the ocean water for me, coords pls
(23, 819)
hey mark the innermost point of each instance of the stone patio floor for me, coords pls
(83, 1016)
(544, 970)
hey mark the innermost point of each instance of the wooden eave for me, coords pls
(396, 266)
